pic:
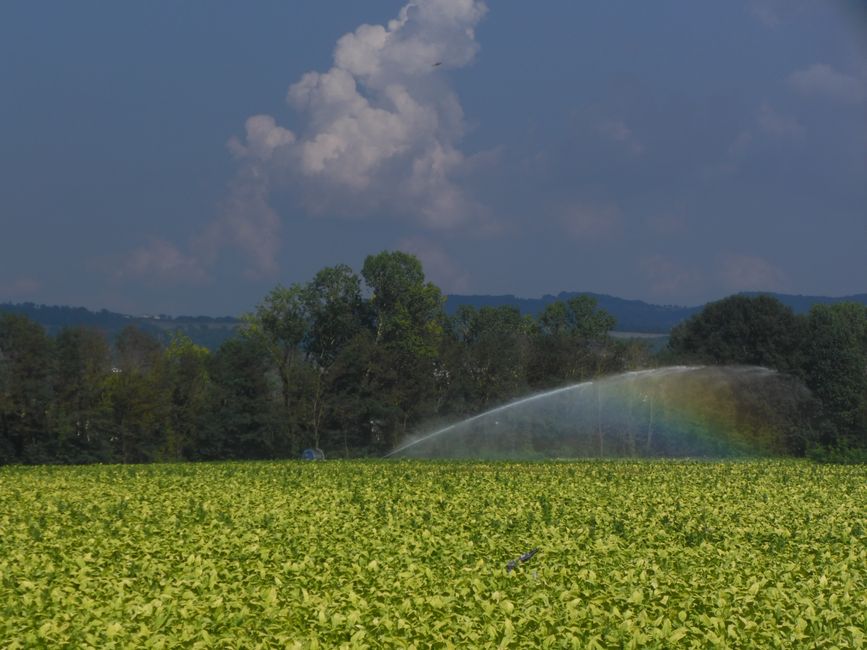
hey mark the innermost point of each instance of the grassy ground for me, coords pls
(393, 554)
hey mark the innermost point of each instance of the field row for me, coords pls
(402, 554)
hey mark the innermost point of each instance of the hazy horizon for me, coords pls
(182, 314)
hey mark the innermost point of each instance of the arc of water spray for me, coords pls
(531, 398)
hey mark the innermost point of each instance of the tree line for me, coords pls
(825, 349)
(351, 363)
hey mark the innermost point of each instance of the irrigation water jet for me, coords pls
(706, 411)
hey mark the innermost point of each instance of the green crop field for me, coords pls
(414, 554)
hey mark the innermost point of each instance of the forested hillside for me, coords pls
(630, 316)
(635, 315)
(202, 330)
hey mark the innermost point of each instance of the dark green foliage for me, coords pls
(841, 454)
(336, 310)
(134, 391)
(187, 385)
(241, 420)
(826, 348)
(571, 343)
(758, 331)
(488, 353)
(835, 369)
(350, 423)
(339, 320)
(26, 367)
(82, 413)
(281, 325)
(408, 328)
(321, 365)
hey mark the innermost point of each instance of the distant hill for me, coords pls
(631, 315)
(634, 315)
(801, 304)
(202, 330)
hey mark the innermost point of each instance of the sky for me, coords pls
(187, 157)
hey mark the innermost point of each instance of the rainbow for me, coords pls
(676, 411)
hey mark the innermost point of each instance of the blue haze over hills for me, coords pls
(637, 315)
(632, 316)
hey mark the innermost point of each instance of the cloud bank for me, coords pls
(381, 127)
(379, 135)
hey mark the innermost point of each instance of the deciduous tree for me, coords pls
(81, 410)
(408, 325)
(26, 368)
(757, 330)
(835, 368)
(281, 324)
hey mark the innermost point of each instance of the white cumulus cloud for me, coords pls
(381, 127)
(379, 134)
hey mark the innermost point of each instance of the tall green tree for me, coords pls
(137, 350)
(81, 409)
(751, 330)
(408, 324)
(242, 419)
(187, 384)
(338, 314)
(281, 324)
(355, 422)
(493, 348)
(26, 369)
(139, 409)
(571, 342)
(835, 370)
(407, 310)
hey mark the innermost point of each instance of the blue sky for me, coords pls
(186, 157)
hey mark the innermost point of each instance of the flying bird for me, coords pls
(438, 63)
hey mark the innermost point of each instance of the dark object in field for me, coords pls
(313, 454)
(513, 564)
